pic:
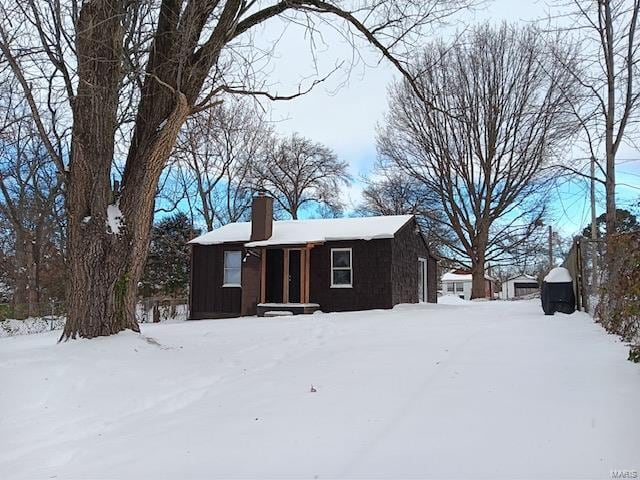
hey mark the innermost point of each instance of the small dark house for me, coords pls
(300, 266)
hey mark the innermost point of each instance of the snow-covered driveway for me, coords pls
(481, 390)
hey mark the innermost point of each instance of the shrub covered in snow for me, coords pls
(5, 292)
(619, 306)
(11, 327)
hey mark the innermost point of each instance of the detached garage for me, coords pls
(519, 286)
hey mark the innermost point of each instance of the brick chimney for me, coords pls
(261, 217)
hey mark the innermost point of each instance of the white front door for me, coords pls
(422, 279)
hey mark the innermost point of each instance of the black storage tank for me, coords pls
(557, 292)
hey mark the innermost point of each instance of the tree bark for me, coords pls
(99, 277)
(26, 296)
(21, 278)
(478, 282)
(478, 255)
(106, 304)
(610, 167)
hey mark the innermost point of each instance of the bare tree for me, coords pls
(30, 204)
(394, 193)
(507, 105)
(212, 161)
(298, 171)
(608, 68)
(187, 54)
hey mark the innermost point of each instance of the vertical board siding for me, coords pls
(251, 283)
(371, 264)
(433, 274)
(408, 246)
(208, 298)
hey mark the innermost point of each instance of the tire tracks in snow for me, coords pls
(445, 367)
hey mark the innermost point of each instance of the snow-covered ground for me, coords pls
(474, 390)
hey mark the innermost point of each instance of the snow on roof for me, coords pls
(458, 277)
(232, 232)
(461, 277)
(297, 232)
(558, 275)
(522, 276)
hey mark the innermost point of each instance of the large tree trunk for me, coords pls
(105, 265)
(477, 264)
(610, 179)
(100, 283)
(610, 192)
(478, 282)
(100, 289)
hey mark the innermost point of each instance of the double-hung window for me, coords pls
(232, 268)
(341, 268)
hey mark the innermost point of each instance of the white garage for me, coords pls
(519, 286)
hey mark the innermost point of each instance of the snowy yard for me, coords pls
(480, 390)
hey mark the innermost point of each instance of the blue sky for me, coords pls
(344, 111)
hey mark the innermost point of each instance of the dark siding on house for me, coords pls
(208, 298)
(384, 274)
(408, 246)
(371, 276)
(433, 274)
(250, 284)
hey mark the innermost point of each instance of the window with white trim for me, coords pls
(459, 287)
(232, 268)
(341, 268)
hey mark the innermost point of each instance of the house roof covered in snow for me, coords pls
(461, 277)
(299, 232)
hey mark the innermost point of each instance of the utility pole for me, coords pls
(551, 263)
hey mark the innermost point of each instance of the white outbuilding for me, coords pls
(519, 286)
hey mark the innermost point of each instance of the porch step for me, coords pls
(278, 309)
(278, 313)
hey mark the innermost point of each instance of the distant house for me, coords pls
(519, 286)
(299, 266)
(458, 282)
